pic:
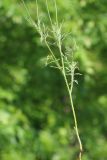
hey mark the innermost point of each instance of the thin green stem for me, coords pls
(58, 36)
(63, 66)
(76, 126)
(27, 11)
(71, 100)
(72, 81)
(55, 59)
(56, 11)
(49, 13)
(37, 10)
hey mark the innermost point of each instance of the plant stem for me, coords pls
(56, 61)
(58, 36)
(71, 101)
(76, 126)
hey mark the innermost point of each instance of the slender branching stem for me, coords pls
(54, 58)
(69, 89)
(61, 65)
(71, 100)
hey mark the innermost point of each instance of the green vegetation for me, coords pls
(36, 121)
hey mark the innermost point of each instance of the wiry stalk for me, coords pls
(64, 64)
(71, 101)
(68, 88)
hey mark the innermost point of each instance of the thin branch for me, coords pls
(49, 13)
(66, 67)
(56, 11)
(56, 61)
(37, 10)
(28, 13)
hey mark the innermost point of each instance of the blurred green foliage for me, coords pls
(35, 118)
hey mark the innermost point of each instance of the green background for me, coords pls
(36, 122)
